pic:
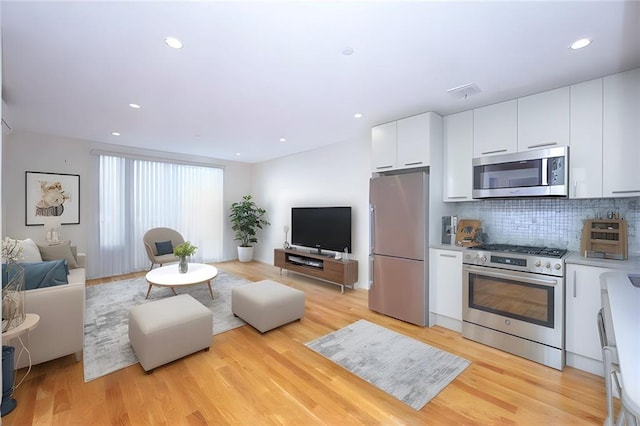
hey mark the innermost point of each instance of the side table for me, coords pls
(31, 321)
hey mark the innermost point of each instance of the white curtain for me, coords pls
(137, 195)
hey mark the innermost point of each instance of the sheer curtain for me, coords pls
(137, 195)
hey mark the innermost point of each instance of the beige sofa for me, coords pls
(61, 328)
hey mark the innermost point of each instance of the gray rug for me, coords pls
(407, 369)
(106, 339)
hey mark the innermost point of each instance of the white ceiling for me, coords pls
(251, 73)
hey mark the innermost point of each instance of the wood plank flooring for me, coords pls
(253, 379)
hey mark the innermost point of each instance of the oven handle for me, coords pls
(511, 276)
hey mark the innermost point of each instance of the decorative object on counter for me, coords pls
(13, 313)
(604, 239)
(469, 233)
(183, 251)
(449, 227)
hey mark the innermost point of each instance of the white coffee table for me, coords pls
(168, 276)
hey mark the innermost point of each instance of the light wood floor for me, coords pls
(254, 379)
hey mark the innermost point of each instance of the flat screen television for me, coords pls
(322, 228)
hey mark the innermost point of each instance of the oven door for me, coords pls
(518, 303)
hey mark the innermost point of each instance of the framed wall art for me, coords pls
(52, 195)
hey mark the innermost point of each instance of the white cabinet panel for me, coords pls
(621, 135)
(585, 153)
(383, 146)
(458, 150)
(543, 120)
(447, 274)
(582, 306)
(495, 129)
(413, 141)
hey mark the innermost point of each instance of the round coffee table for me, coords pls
(168, 276)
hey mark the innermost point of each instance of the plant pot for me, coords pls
(245, 254)
(183, 266)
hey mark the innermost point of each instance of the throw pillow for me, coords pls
(164, 247)
(58, 251)
(41, 274)
(30, 252)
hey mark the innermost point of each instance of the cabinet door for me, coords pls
(585, 152)
(458, 149)
(448, 283)
(582, 304)
(621, 135)
(414, 141)
(543, 120)
(383, 147)
(495, 129)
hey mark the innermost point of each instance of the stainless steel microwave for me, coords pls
(537, 173)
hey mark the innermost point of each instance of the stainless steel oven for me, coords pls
(515, 302)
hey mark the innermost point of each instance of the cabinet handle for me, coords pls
(494, 152)
(575, 290)
(630, 191)
(383, 167)
(415, 163)
(457, 197)
(540, 145)
(447, 255)
(575, 188)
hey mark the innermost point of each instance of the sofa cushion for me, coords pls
(59, 251)
(30, 252)
(164, 247)
(40, 274)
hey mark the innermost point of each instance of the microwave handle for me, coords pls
(541, 145)
(545, 172)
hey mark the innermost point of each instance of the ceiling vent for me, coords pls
(464, 91)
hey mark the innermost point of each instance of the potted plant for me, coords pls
(246, 219)
(183, 251)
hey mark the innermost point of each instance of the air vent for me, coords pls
(464, 91)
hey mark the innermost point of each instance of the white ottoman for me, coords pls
(267, 304)
(168, 329)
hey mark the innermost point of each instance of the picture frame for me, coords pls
(52, 195)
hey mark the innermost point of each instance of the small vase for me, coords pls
(183, 267)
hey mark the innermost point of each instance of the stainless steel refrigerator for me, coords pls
(398, 256)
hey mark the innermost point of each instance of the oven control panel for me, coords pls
(515, 262)
(508, 260)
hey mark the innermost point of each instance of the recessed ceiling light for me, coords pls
(579, 44)
(173, 42)
(357, 115)
(283, 139)
(347, 51)
(115, 133)
(135, 106)
(238, 154)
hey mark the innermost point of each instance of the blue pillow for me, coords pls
(40, 274)
(164, 247)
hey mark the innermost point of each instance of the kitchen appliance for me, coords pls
(513, 299)
(449, 226)
(398, 255)
(537, 173)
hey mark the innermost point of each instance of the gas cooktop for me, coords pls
(537, 251)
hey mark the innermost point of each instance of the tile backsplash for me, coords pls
(549, 221)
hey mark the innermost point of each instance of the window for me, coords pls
(137, 195)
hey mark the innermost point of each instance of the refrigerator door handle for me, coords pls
(370, 272)
(372, 216)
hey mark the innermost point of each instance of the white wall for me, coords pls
(45, 153)
(336, 175)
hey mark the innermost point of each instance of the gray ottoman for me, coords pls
(267, 304)
(168, 329)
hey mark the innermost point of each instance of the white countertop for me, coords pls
(631, 264)
(624, 301)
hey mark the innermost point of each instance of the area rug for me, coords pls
(106, 339)
(405, 368)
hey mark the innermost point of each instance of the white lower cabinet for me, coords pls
(446, 279)
(582, 306)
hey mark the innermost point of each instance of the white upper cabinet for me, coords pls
(495, 129)
(458, 150)
(405, 143)
(621, 135)
(585, 153)
(383, 146)
(543, 120)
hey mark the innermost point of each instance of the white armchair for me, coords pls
(157, 235)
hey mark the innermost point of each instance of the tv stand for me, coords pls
(318, 266)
